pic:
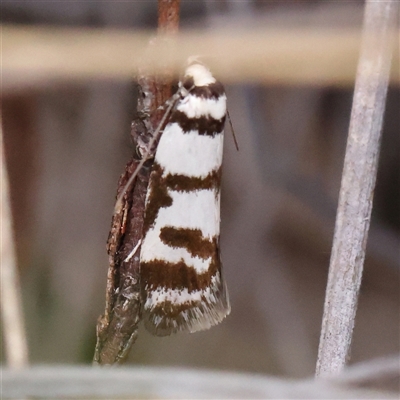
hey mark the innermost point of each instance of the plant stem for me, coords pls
(357, 187)
(16, 347)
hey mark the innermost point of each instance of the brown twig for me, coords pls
(117, 328)
(16, 347)
(357, 187)
(168, 16)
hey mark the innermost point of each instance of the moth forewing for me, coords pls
(180, 268)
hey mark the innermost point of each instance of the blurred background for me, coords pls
(67, 143)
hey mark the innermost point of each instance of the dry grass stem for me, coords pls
(370, 373)
(16, 348)
(40, 55)
(169, 383)
(357, 187)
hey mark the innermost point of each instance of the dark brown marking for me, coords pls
(190, 239)
(183, 183)
(179, 276)
(204, 125)
(188, 82)
(212, 91)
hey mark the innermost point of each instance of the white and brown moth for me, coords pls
(180, 267)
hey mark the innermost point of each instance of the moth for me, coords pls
(181, 277)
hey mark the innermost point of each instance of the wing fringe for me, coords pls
(165, 318)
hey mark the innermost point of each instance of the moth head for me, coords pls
(197, 73)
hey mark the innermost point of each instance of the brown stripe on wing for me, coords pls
(204, 125)
(190, 239)
(159, 185)
(161, 273)
(184, 183)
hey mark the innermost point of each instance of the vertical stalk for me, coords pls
(168, 16)
(357, 187)
(16, 347)
(117, 329)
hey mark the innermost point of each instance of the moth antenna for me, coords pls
(132, 253)
(145, 157)
(232, 130)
